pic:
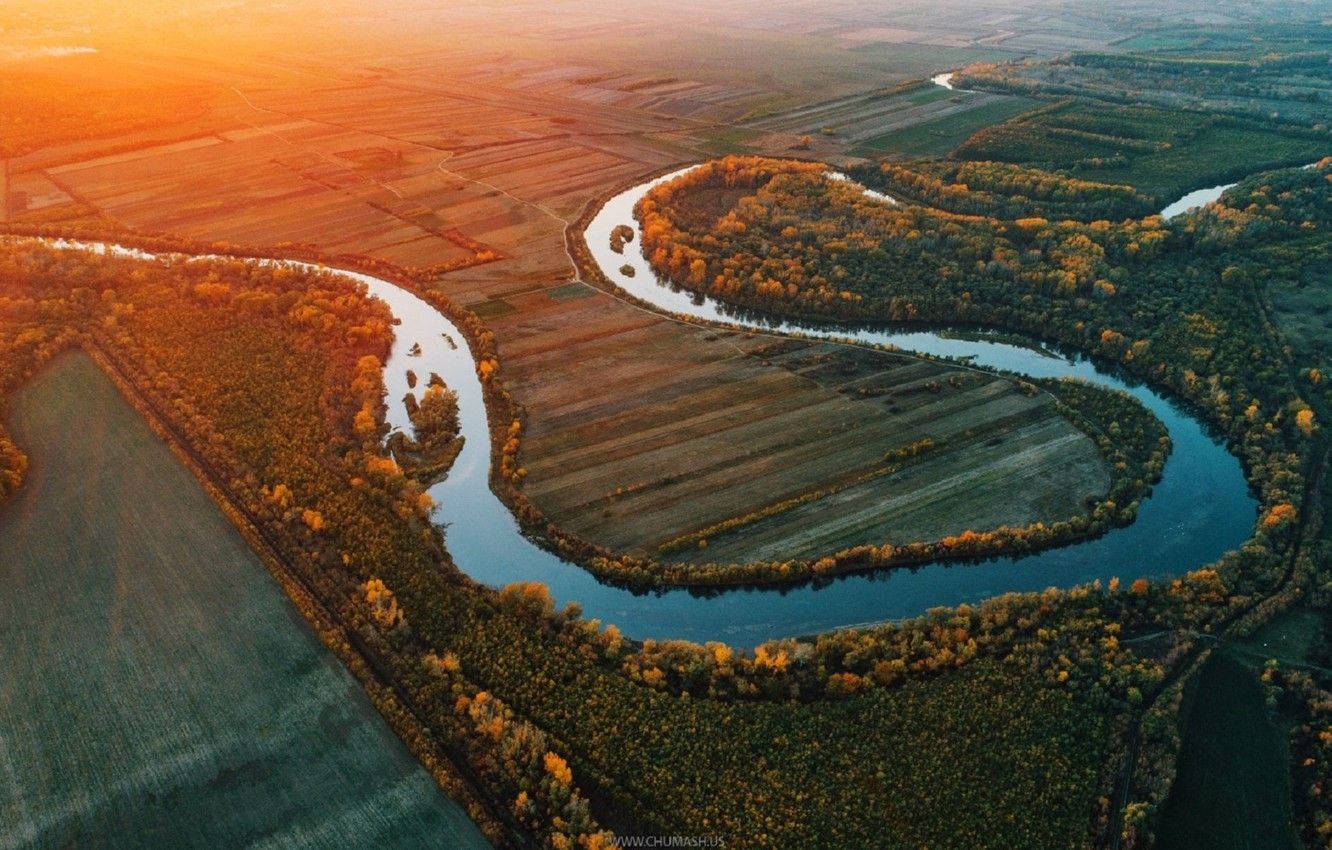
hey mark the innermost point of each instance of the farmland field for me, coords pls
(1162, 152)
(672, 438)
(159, 686)
(942, 136)
(1233, 786)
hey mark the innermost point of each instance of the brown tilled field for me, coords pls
(643, 430)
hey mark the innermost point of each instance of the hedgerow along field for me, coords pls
(160, 688)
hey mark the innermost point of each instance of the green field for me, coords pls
(925, 59)
(1215, 155)
(943, 136)
(1162, 152)
(730, 140)
(1163, 41)
(1232, 789)
(159, 688)
(1289, 639)
(1302, 307)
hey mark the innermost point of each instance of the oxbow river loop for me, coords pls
(1201, 508)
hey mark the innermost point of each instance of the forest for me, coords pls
(1004, 190)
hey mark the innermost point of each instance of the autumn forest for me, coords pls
(909, 432)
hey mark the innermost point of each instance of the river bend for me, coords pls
(1200, 509)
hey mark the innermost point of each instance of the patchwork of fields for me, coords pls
(1162, 152)
(871, 120)
(161, 691)
(642, 430)
(158, 683)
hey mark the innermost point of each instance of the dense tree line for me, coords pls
(13, 465)
(1307, 706)
(1004, 190)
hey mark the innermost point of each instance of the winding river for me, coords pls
(946, 80)
(1202, 197)
(1199, 510)
(1194, 200)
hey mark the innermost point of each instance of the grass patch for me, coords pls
(1233, 784)
(729, 140)
(928, 58)
(1302, 307)
(1156, 41)
(493, 308)
(570, 290)
(1289, 637)
(161, 689)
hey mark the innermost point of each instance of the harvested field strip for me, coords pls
(772, 470)
(940, 134)
(556, 341)
(731, 524)
(778, 435)
(861, 118)
(687, 424)
(905, 506)
(777, 441)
